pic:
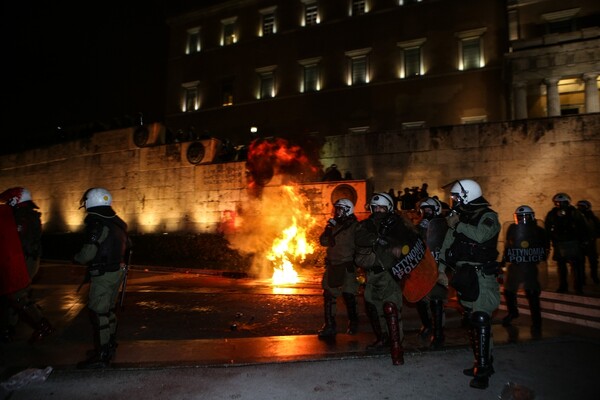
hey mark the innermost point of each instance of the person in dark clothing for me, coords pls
(339, 278)
(591, 250)
(332, 174)
(526, 246)
(29, 227)
(568, 231)
(432, 229)
(378, 238)
(103, 253)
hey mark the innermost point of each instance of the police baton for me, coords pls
(124, 283)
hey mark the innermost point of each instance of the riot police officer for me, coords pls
(470, 249)
(103, 252)
(377, 237)
(591, 250)
(569, 235)
(526, 246)
(432, 229)
(339, 277)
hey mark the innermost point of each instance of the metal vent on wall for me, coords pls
(149, 135)
(201, 152)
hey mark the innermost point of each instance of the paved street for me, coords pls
(204, 335)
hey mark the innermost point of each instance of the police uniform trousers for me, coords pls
(526, 274)
(488, 300)
(382, 288)
(350, 285)
(104, 290)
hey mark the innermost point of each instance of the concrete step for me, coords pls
(564, 307)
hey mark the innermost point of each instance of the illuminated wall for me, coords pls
(156, 189)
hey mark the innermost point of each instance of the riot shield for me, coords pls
(526, 244)
(436, 232)
(415, 268)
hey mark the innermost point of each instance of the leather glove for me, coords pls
(386, 225)
(442, 279)
(452, 220)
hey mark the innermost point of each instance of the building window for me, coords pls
(266, 77)
(470, 49)
(268, 26)
(266, 85)
(412, 58)
(561, 21)
(310, 75)
(513, 25)
(412, 61)
(193, 41)
(358, 73)
(405, 2)
(359, 70)
(311, 12)
(190, 97)
(311, 78)
(229, 32)
(227, 93)
(358, 7)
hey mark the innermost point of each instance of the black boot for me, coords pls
(437, 312)
(351, 308)
(533, 297)
(328, 330)
(511, 306)
(112, 345)
(32, 316)
(100, 359)
(44, 328)
(382, 339)
(391, 316)
(423, 311)
(471, 333)
(482, 334)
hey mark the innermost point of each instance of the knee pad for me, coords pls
(480, 318)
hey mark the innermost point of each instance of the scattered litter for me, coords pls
(514, 391)
(25, 377)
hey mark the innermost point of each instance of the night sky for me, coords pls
(83, 66)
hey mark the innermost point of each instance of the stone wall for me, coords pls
(156, 189)
(517, 162)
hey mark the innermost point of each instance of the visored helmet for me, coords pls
(15, 195)
(430, 207)
(464, 192)
(95, 197)
(584, 205)
(561, 200)
(381, 199)
(343, 208)
(524, 215)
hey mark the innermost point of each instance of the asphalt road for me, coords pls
(202, 335)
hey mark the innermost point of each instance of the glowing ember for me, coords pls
(292, 246)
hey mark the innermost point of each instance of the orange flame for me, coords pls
(292, 246)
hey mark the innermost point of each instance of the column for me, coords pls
(592, 101)
(520, 99)
(552, 97)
